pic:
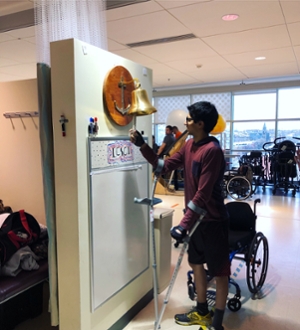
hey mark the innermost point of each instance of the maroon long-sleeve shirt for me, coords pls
(203, 166)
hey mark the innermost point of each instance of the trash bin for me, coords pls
(162, 224)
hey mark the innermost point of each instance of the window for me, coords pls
(253, 120)
(254, 106)
(288, 129)
(252, 135)
(289, 103)
(160, 133)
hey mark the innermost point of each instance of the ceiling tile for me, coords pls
(7, 62)
(7, 77)
(270, 70)
(291, 11)
(162, 80)
(141, 28)
(159, 67)
(135, 56)
(207, 75)
(249, 41)
(297, 53)
(205, 19)
(112, 45)
(23, 33)
(207, 63)
(19, 50)
(5, 37)
(280, 55)
(294, 30)
(32, 40)
(25, 71)
(168, 4)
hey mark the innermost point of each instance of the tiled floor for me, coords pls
(279, 220)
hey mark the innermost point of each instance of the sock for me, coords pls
(202, 308)
(218, 319)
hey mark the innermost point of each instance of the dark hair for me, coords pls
(169, 127)
(206, 112)
(174, 127)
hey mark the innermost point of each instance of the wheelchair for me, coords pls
(245, 244)
(238, 183)
(283, 167)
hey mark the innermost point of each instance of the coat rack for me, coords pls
(21, 114)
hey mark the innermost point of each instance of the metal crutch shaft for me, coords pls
(150, 202)
(175, 272)
(157, 173)
(154, 266)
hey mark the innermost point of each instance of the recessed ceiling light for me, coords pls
(260, 58)
(230, 17)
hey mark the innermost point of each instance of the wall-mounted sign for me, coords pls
(117, 93)
(114, 151)
(119, 152)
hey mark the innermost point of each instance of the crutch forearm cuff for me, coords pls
(196, 208)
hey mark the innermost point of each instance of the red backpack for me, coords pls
(18, 229)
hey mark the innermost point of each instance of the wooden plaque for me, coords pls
(117, 94)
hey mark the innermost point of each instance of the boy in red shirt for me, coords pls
(203, 164)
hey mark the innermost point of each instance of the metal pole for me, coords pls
(154, 266)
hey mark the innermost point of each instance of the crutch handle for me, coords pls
(187, 238)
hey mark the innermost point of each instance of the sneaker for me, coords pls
(209, 328)
(193, 318)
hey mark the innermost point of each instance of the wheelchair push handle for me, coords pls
(274, 143)
(255, 202)
(297, 138)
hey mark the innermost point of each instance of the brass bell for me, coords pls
(140, 105)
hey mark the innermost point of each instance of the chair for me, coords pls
(247, 245)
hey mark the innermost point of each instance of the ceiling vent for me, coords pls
(162, 40)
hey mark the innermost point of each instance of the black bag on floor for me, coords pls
(19, 229)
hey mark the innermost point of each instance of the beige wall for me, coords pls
(78, 71)
(21, 185)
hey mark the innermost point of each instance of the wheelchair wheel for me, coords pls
(257, 262)
(234, 304)
(239, 188)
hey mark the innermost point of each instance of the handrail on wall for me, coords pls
(21, 114)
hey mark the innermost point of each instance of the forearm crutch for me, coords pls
(186, 241)
(151, 202)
